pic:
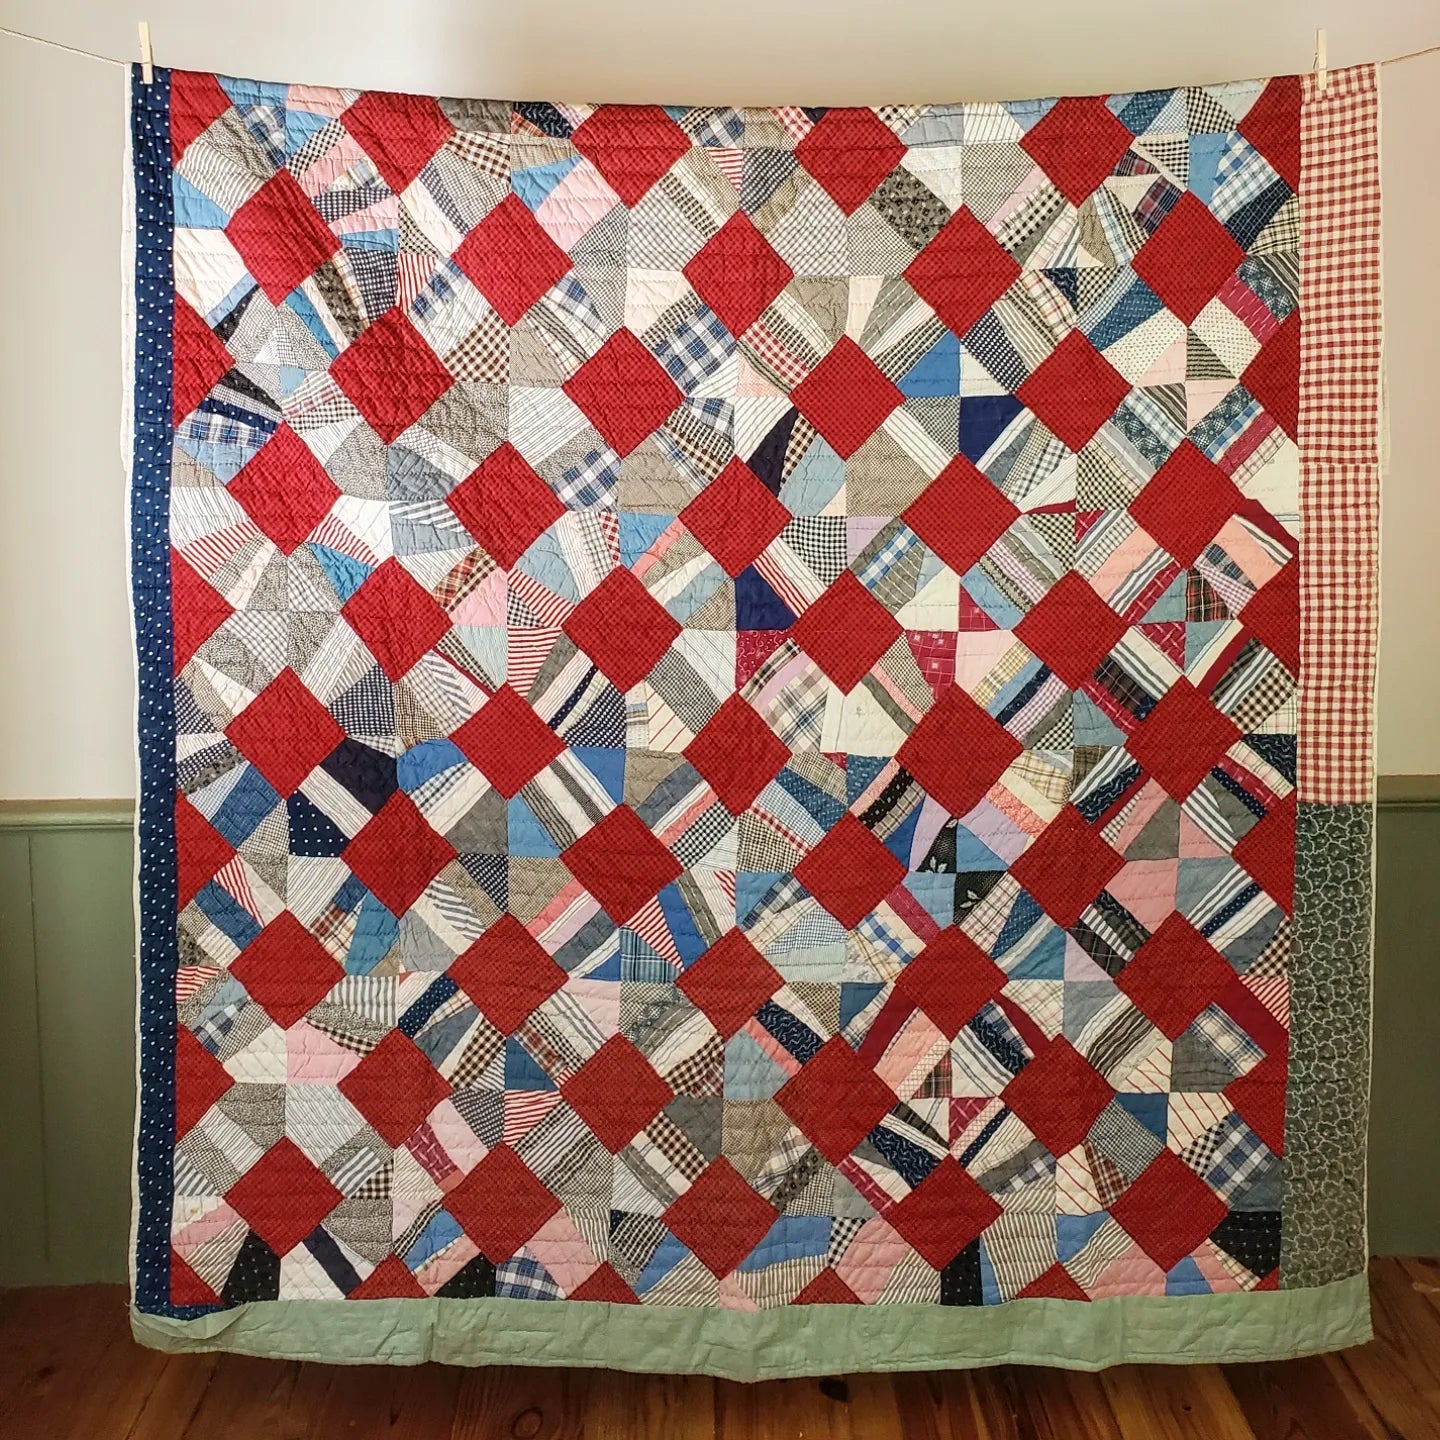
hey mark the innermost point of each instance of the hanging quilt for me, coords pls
(755, 726)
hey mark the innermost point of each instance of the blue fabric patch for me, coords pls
(606, 764)
(757, 606)
(227, 915)
(195, 211)
(534, 184)
(247, 804)
(638, 533)
(983, 419)
(528, 837)
(375, 934)
(522, 1071)
(791, 1237)
(425, 761)
(937, 372)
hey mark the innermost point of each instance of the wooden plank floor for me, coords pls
(70, 1371)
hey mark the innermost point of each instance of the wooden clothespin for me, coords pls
(1321, 69)
(147, 55)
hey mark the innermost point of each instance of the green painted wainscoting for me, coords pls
(67, 1046)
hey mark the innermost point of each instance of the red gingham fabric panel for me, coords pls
(1339, 434)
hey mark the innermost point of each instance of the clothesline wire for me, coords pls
(112, 60)
(56, 45)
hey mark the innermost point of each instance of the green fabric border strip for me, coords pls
(785, 1342)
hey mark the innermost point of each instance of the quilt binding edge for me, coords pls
(1336, 1313)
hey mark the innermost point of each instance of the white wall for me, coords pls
(65, 688)
(1410, 498)
(65, 667)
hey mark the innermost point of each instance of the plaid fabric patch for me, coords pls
(525, 1279)
(696, 350)
(1339, 435)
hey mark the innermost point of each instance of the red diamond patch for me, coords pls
(730, 982)
(1273, 376)
(1059, 1095)
(960, 514)
(958, 751)
(511, 258)
(285, 732)
(809, 1098)
(1169, 1210)
(1185, 503)
(389, 1280)
(737, 754)
(622, 628)
(850, 151)
(737, 273)
(186, 1287)
(397, 854)
(846, 397)
(199, 609)
(395, 1087)
(735, 517)
(285, 489)
(950, 980)
(1272, 126)
(1067, 867)
(391, 376)
(632, 146)
(507, 742)
(200, 1080)
(604, 1284)
(507, 973)
(397, 618)
(500, 1204)
(624, 391)
(1182, 739)
(1056, 1283)
(1174, 975)
(849, 872)
(1074, 391)
(400, 133)
(943, 1213)
(1272, 615)
(621, 863)
(196, 102)
(280, 236)
(827, 1288)
(286, 970)
(200, 359)
(846, 631)
(1076, 143)
(505, 505)
(282, 1197)
(1266, 852)
(1259, 1100)
(962, 272)
(617, 1093)
(200, 848)
(1188, 258)
(1071, 629)
(720, 1219)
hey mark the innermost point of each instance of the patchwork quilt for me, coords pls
(754, 725)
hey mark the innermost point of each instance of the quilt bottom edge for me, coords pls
(784, 1343)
